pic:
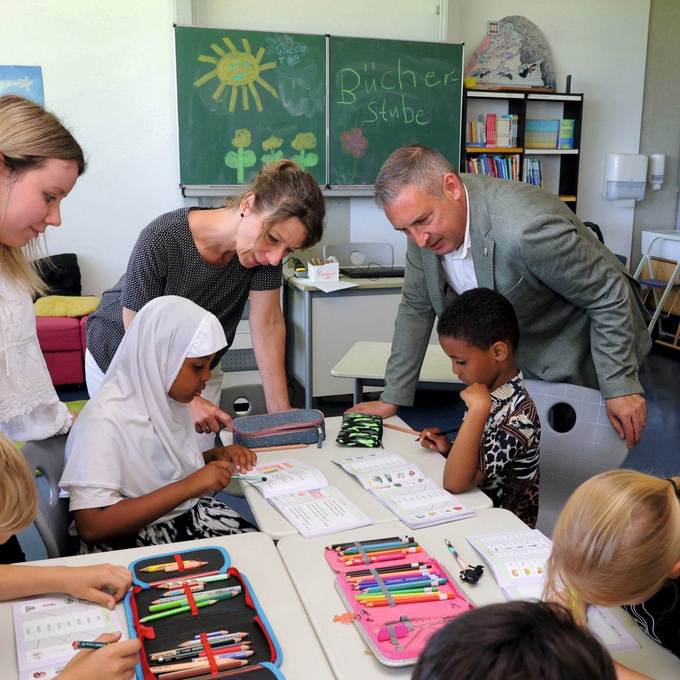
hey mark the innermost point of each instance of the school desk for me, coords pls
(272, 522)
(346, 652)
(365, 363)
(255, 555)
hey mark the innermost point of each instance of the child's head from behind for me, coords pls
(18, 498)
(514, 641)
(479, 331)
(617, 540)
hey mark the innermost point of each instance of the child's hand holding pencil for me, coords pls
(435, 439)
(115, 660)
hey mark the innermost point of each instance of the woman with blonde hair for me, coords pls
(39, 164)
(219, 258)
(617, 542)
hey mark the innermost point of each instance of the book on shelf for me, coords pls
(492, 130)
(302, 495)
(532, 172)
(518, 561)
(403, 488)
(565, 138)
(504, 167)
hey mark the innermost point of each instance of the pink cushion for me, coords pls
(65, 368)
(57, 333)
(83, 331)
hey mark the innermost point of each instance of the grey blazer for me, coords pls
(580, 314)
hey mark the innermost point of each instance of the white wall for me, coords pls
(603, 45)
(108, 71)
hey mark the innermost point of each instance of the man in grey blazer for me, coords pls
(580, 314)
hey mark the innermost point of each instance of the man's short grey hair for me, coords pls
(411, 165)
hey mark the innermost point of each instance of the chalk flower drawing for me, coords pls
(270, 146)
(238, 70)
(354, 143)
(304, 142)
(242, 158)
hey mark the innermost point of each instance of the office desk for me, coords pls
(346, 652)
(366, 363)
(272, 522)
(255, 555)
(321, 327)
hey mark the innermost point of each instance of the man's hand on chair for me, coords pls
(374, 408)
(628, 416)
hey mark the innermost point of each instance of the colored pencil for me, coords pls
(201, 594)
(211, 637)
(385, 570)
(250, 478)
(343, 546)
(173, 566)
(400, 428)
(443, 432)
(190, 653)
(283, 447)
(402, 599)
(173, 604)
(368, 597)
(175, 611)
(195, 669)
(406, 541)
(167, 582)
(406, 573)
(194, 663)
(191, 580)
(197, 645)
(404, 586)
(410, 548)
(387, 557)
(88, 644)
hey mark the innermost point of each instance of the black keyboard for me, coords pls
(372, 272)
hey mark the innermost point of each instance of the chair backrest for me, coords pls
(243, 400)
(577, 442)
(52, 520)
(360, 254)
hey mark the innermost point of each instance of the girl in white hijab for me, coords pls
(134, 472)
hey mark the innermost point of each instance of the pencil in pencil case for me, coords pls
(240, 614)
(397, 630)
(298, 426)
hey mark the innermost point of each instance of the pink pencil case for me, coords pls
(396, 633)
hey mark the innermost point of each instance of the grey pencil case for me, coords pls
(299, 426)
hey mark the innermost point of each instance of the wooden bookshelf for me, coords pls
(559, 167)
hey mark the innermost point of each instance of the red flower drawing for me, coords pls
(353, 142)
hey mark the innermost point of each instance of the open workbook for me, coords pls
(302, 495)
(402, 487)
(518, 561)
(45, 628)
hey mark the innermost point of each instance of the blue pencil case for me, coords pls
(218, 629)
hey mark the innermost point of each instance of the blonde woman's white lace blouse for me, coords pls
(29, 406)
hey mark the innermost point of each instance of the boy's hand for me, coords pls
(116, 661)
(430, 439)
(242, 457)
(477, 398)
(213, 476)
(103, 584)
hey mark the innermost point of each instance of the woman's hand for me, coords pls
(208, 417)
(242, 457)
(103, 584)
(431, 439)
(116, 661)
(213, 476)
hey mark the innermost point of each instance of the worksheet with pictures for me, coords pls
(46, 627)
(287, 476)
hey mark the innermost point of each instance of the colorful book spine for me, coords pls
(565, 139)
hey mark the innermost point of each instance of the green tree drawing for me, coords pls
(304, 142)
(242, 158)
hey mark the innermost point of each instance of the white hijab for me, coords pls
(132, 437)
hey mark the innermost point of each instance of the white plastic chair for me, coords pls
(584, 443)
(52, 520)
(360, 254)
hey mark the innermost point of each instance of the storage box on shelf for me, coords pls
(527, 136)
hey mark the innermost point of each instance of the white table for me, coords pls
(366, 362)
(270, 520)
(255, 555)
(321, 327)
(344, 648)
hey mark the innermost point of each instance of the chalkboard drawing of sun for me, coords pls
(238, 70)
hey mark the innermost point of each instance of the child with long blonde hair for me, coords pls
(617, 542)
(18, 502)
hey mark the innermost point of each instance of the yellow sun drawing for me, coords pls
(238, 70)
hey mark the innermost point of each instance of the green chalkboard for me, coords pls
(246, 98)
(387, 93)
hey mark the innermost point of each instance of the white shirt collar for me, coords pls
(461, 252)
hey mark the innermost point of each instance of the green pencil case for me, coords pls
(360, 430)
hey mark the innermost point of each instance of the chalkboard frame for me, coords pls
(337, 190)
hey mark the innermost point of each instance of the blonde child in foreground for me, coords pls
(17, 510)
(617, 542)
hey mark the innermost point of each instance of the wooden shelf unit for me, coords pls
(559, 167)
